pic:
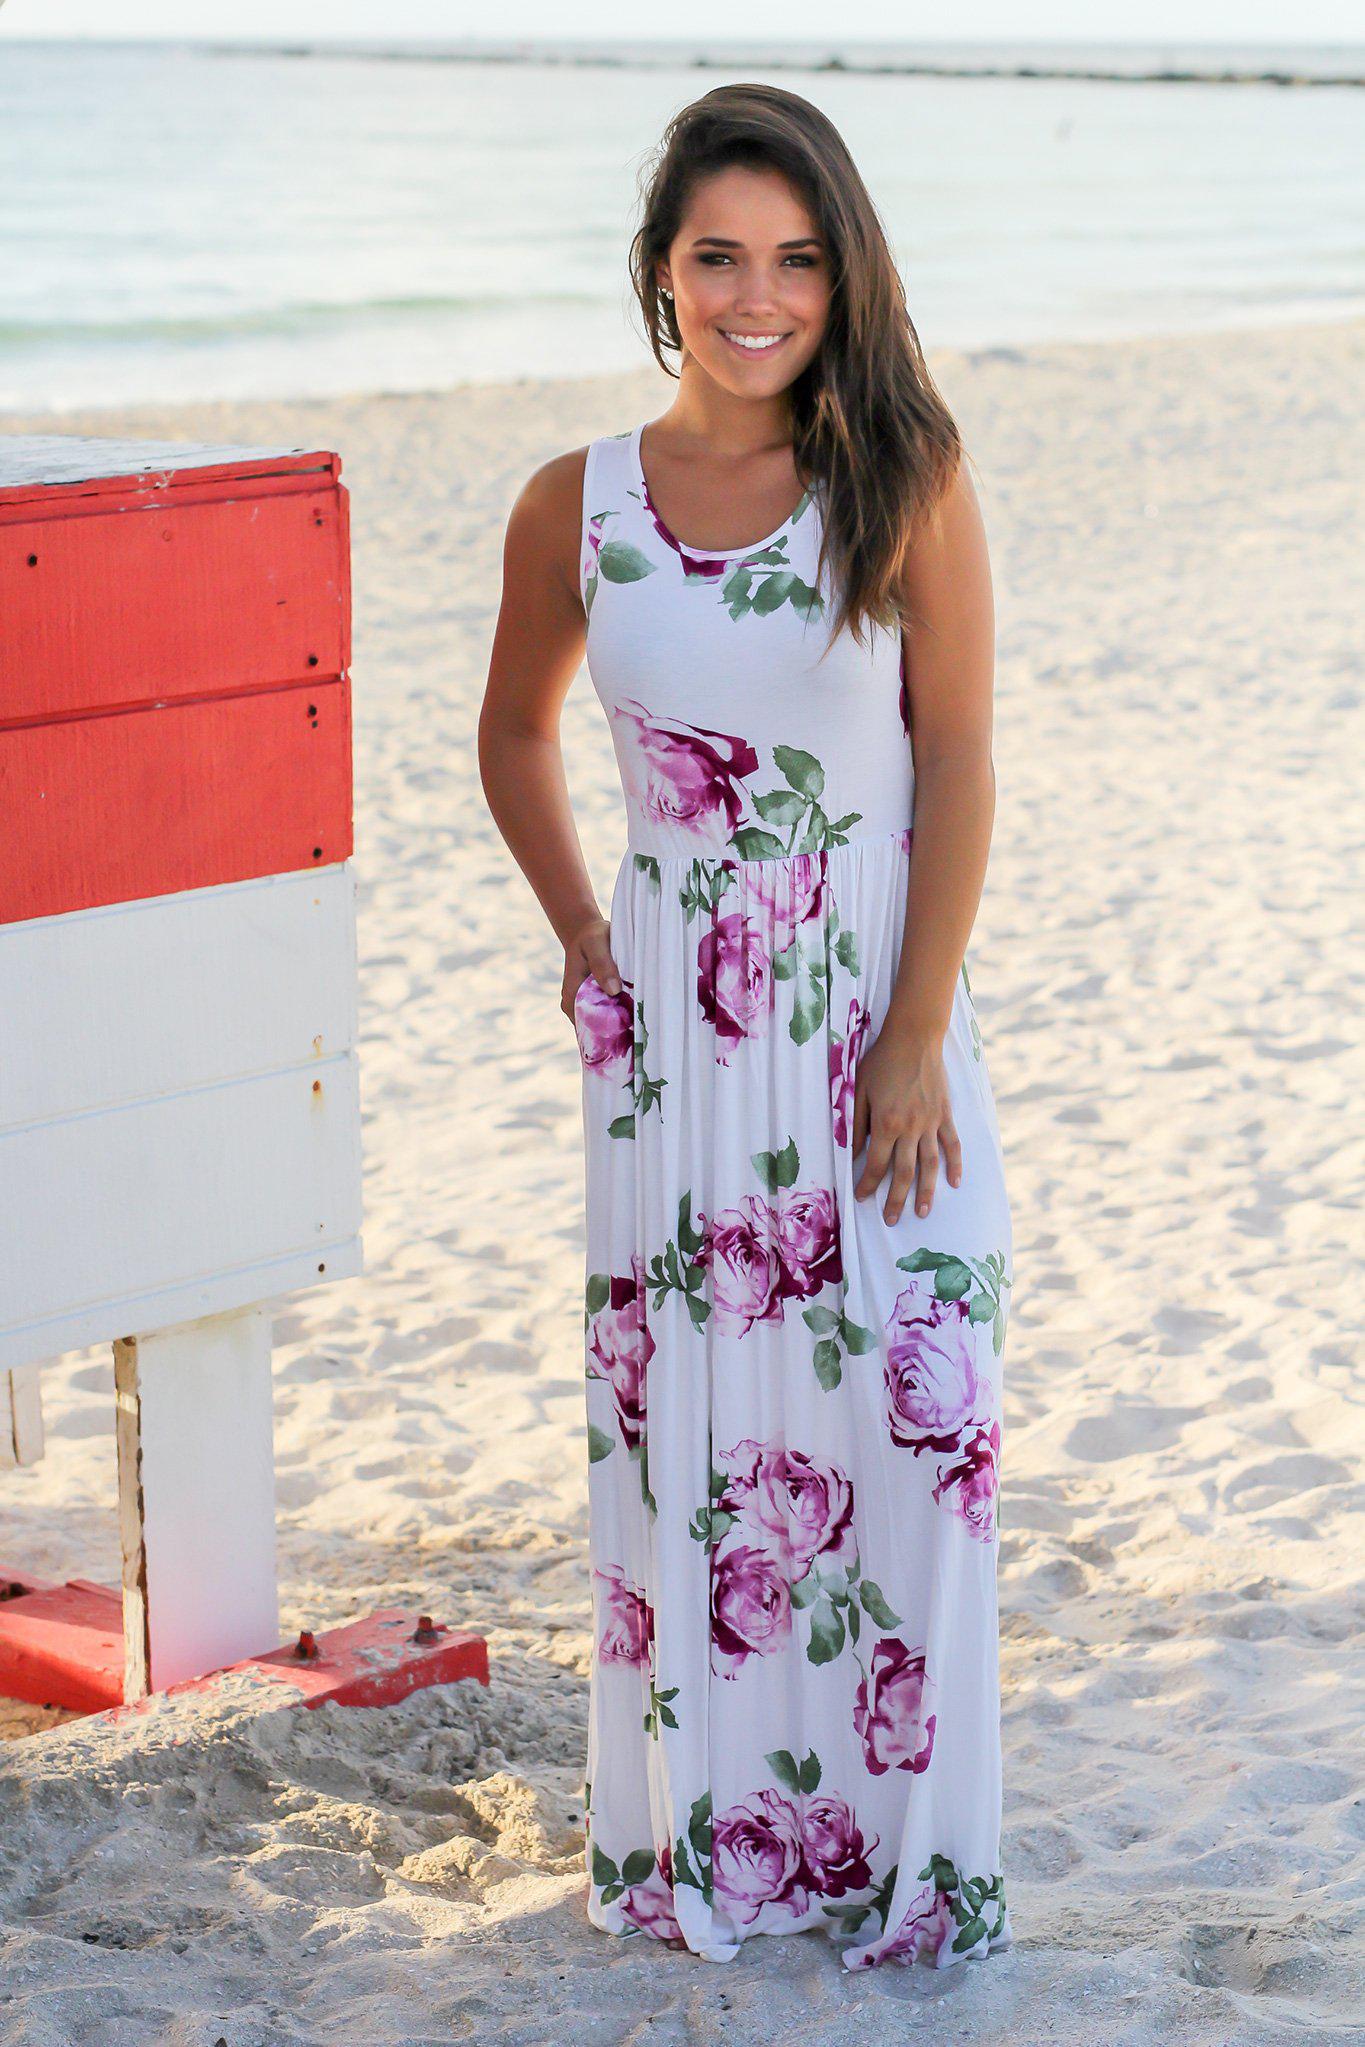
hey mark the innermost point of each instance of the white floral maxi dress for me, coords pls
(793, 1406)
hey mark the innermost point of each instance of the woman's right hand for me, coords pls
(589, 952)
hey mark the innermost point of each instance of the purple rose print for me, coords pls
(803, 1507)
(835, 1853)
(758, 1857)
(927, 1924)
(734, 983)
(690, 772)
(626, 1634)
(969, 1487)
(605, 1028)
(739, 1248)
(931, 1381)
(621, 1346)
(888, 1710)
(791, 890)
(843, 1068)
(750, 1608)
(650, 1904)
(808, 1239)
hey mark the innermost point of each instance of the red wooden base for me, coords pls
(62, 1645)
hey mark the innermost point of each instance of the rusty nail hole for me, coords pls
(33, 561)
(425, 1631)
(312, 660)
(306, 1645)
(317, 1087)
(317, 852)
(312, 710)
(323, 1266)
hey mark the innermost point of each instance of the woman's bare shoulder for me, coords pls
(544, 526)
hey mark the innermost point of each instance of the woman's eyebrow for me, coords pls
(724, 242)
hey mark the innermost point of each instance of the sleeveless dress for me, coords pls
(793, 1407)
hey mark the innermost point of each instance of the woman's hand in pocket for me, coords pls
(589, 952)
(903, 1113)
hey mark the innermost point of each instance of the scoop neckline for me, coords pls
(705, 553)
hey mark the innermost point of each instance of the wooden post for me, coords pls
(21, 1415)
(196, 1482)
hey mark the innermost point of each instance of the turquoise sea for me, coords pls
(195, 222)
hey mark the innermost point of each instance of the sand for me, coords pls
(1168, 971)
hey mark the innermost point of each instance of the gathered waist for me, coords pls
(725, 859)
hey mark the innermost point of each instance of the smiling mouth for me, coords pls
(753, 344)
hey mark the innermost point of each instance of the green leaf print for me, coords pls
(600, 1444)
(808, 1011)
(764, 581)
(954, 1276)
(705, 882)
(828, 1367)
(698, 1835)
(648, 865)
(604, 1870)
(659, 1713)
(874, 1604)
(785, 1768)
(689, 1236)
(671, 1273)
(646, 1093)
(619, 562)
(752, 844)
(777, 1168)
(826, 1631)
(838, 1333)
(802, 770)
(622, 1126)
(638, 1866)
(780, 806)
(596, 1293)
(640, 1452)
(967, 1899)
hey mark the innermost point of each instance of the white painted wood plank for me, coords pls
(196, 1498)
(134, 1200)
(136, 1314)
(108, 1005)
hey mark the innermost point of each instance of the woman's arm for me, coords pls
(537, 649)
(949, 641)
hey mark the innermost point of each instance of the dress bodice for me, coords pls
(740, 731)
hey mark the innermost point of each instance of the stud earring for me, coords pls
(667, 293)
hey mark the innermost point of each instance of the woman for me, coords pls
(793, 1370)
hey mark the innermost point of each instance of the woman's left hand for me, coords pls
(902, 1110)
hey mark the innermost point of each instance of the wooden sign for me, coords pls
(179, 1105)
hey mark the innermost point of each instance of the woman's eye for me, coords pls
(715, 256)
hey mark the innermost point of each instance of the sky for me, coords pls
(1090, 21)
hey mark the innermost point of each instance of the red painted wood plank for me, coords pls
(146, 802)
(135, 606)
(131, 471)
(62, 1645)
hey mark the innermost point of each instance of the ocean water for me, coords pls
(185, 223)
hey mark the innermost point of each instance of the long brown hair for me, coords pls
(869, 427)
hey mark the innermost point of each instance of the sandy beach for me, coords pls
(1168, 972)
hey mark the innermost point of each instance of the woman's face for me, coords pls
(748, 260)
